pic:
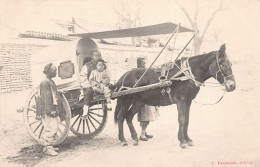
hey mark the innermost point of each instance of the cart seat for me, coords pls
(98, 98)
(75, 98)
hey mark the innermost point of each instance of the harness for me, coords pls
(188, 75)
(186, 70)
(220, 71)
(184, 73)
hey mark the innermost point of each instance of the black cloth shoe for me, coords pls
(143, 139)
(149, 136)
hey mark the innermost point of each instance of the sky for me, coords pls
(238, 25)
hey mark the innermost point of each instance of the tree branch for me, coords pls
(196, 12)
(185, 12)
(211, 19)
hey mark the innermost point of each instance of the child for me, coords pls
(100, 80)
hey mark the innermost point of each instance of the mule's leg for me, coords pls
(121, 119)
(182, 108)
(129, 120)
(187, 116)
(125, 104)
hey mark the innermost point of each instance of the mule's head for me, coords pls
(221, 70)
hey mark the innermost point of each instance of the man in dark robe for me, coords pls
(50, 100)
(146, 113)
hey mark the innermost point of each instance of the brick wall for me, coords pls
(15, 61)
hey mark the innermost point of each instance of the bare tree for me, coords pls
(198, 40)
(129, 17)
(216, 35)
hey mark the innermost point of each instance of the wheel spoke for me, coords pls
(75, 121)
(79, 124)
(33, 122)
(62, 124)
(88, 126)
(83, 126)
(41, 132)
(94, 119)
(37, 127)
(92, 123)
(91, 109)
(95, 114)
(32, 109)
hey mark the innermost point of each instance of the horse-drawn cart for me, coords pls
(69, 62)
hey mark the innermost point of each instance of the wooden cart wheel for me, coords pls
(90, 125)
(35, 127)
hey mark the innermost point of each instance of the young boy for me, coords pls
(100, 80)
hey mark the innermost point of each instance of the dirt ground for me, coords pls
(227, 132)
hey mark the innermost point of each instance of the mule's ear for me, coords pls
(222, 48)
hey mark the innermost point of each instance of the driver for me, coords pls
(90, 64)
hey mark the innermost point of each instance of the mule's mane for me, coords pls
(197, 57)
(202, 56)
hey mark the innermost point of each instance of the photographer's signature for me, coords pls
(231, 163)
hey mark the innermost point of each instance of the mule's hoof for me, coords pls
(124, 143)
(135, 143)
(190, 143)
(184, 146)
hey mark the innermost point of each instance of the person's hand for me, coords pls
(94, 83)
(53, 113)
(106, 81)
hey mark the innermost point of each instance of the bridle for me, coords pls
(221, 72)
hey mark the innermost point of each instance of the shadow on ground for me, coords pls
(31, 155)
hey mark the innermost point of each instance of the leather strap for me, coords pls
(168, 90)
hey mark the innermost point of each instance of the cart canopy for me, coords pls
(164, 28)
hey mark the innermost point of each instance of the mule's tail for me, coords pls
(118, 108)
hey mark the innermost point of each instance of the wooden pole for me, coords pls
(140, 89)
(174, 32)
(186, 45)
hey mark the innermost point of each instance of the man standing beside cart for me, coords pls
(49, 109)
(146, 113)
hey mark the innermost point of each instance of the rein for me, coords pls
(189, 75)
(224, 92)
(223, 84)
(220, 71)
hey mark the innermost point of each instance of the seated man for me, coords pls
(89, 65)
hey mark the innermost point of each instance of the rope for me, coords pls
(214, 102)
(196, 82)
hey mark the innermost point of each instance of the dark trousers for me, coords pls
(88, 95)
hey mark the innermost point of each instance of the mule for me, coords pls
(213, 64)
